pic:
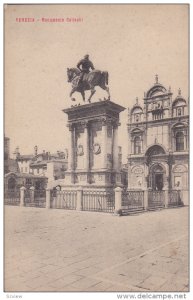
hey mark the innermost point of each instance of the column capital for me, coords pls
(118, 189)
(80, 188)
(23, 188)
(84, 124)
(80, 125)
(70, 126)
(71, 154)
(105, 121)
(116, 124)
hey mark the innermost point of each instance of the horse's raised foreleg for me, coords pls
(92, 93)
(71, 93)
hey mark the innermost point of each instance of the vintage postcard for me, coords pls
(96, 149)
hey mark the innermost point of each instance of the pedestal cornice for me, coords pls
(93, 110)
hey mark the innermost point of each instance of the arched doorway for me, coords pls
(11, 183)
(156, 177)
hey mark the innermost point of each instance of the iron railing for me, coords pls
(133, 200)
(175, 198)
(40, 198)
(65, 199)
(12, 197)
(102, 201)
(156, 199)
(36, 198)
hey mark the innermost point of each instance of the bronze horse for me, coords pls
(89, 81)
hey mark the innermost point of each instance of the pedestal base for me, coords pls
(101, 178)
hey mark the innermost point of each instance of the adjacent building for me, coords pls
(36, 169)
(158, 135)
(53, 166)
(15, 180)
(23, 161)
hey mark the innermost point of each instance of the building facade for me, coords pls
(158, 135)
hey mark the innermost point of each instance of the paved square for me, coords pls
(60, 250)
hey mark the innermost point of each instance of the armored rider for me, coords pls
(84, 65)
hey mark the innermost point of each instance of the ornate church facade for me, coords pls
(158, 135)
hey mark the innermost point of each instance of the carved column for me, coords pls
(115, 147)
(129, 140)
(186, 146)
(71, 156)
(170, 137)
(104, 142)
(131, 144)
(86, 146)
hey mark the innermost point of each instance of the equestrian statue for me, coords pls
(85, 77)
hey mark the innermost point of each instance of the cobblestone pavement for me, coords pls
(58, 250)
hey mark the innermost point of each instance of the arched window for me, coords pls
(136, 114)
(179, 141)
(137, 118)
(179, 111)
(137, 145)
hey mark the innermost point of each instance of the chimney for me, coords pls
(36, 150)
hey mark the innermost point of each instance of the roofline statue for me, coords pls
(83, 79)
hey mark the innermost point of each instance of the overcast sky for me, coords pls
(131, 42)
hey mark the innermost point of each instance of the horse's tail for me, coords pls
(106, 77)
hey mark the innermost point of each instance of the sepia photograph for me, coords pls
(96, 149)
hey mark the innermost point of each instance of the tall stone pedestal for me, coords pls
(94, 156)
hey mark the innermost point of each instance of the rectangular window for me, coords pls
(179, 141)
(137, 145)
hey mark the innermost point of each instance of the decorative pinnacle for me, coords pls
(179, 92)
(156, 78)
(169, 90)
(137, 100)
